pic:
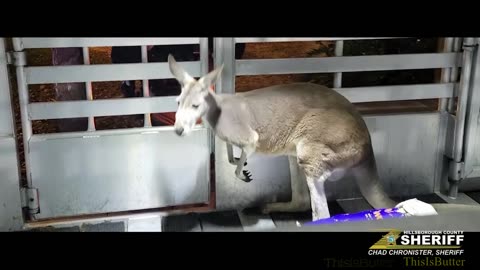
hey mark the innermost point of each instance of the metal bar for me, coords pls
(204, 69)
(471, 144)
(463, 98)
(348, 64)
(18, 45)
(110, 132)
(88, 87)
(397, 92)
(31, 43)
(107, 72)
(11, 218)
(457, 44)
(445, 75)
(266, 39)
(204, 56)
(147, 119)
(26, 122)
(101, 107)
(337, 79)
(225, 54)
(107, 107)
(464, 87)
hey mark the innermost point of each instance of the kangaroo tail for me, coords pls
(367, 179)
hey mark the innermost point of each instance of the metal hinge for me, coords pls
(17, 58)
(30, 200)
(456, 170)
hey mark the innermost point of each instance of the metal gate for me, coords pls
(467, 139)
(103, 171)
(411, 148)
(10, 203)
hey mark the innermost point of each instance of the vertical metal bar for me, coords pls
(204, 68)
(88, 88)
(463, 98)
(472, 119)
(147, 122)
(24, 100)
(225, 54)
(204, 54)
(11, 218)
(464, 87)
(337, 79)
(17, 44)
(445, 75)
(457, 43)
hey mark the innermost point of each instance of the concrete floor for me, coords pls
(247, 220)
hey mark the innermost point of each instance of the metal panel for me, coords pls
(396, 138)
(265, 39)
(10, 200)
(348, 63)
(406, 151)
(270, 183)
(472, 125)
(92, 172)
(399, 92)
(106, 72)
(120, 172)
(102, 107)
(101, 42)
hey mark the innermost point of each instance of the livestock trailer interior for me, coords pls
(86, 136)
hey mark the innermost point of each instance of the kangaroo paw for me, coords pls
(246, 176)
(238, 159)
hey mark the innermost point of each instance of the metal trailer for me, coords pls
(74, 175)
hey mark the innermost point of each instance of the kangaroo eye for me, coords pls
(195, 106)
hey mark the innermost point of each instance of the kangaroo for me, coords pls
(311, 122)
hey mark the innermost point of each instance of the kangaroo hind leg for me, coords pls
(316, 161)
(300, 201)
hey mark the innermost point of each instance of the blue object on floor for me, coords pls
(360, 216)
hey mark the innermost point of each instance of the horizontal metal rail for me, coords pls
(102, 107)
(105, 72)
(348, 64)
(108, 132)
(31, 43)
(398, 92)
(108, 107)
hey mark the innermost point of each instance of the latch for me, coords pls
(30, 200)
(456, 170)
(17, 58)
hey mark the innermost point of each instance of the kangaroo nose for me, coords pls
(179, 131)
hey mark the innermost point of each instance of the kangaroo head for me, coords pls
(191, 101)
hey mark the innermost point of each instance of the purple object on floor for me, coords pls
(360, 216)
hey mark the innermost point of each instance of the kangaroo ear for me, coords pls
(212, 77)
(178, 72)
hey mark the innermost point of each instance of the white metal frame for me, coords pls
(466, 126)
(87, 73)
(10, 200)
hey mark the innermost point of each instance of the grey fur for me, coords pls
(309, 122)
